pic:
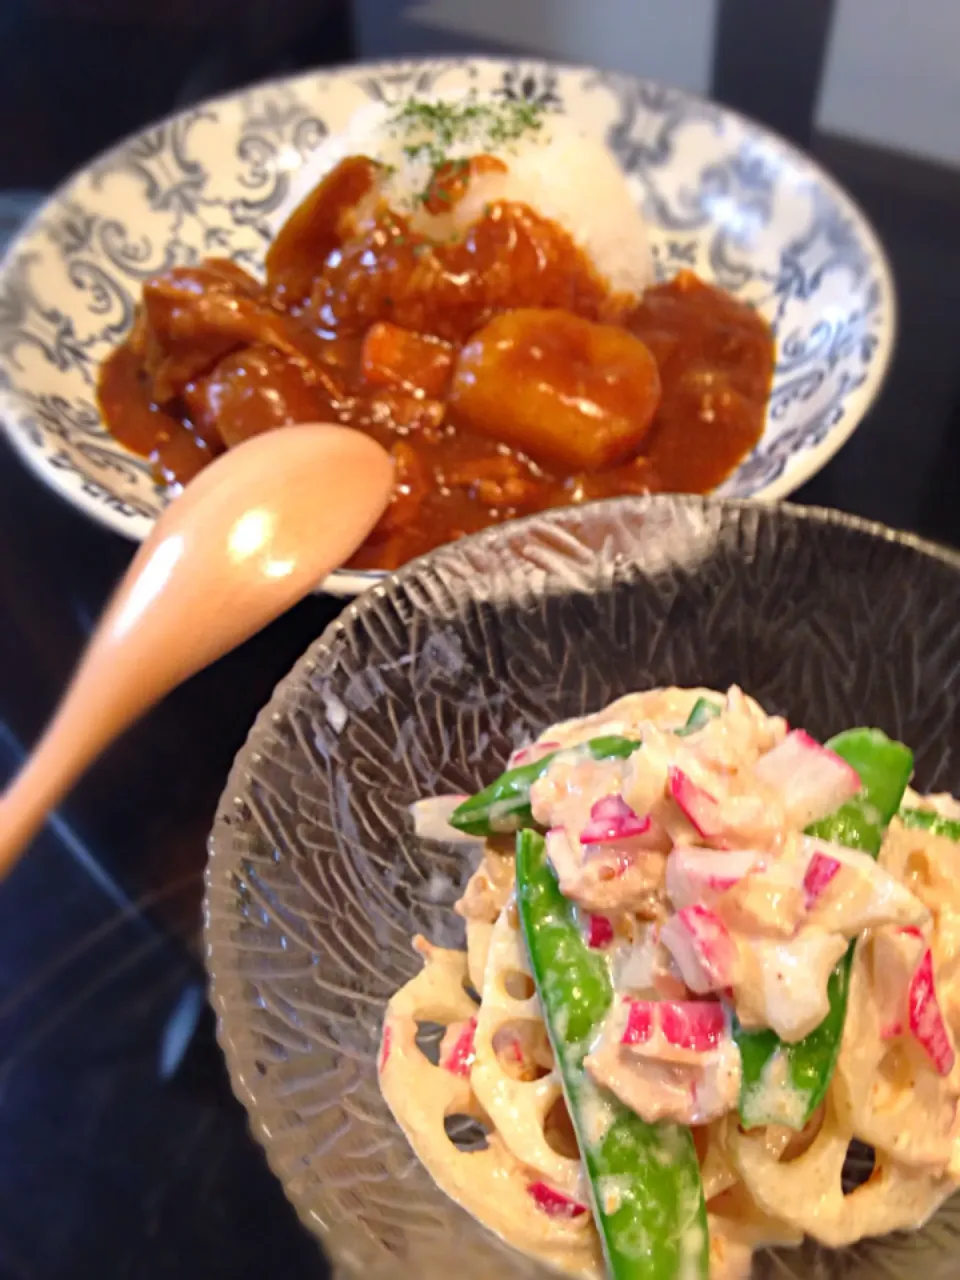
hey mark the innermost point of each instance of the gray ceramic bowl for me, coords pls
(424, 685)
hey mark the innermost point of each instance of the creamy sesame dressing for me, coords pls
(742, 920)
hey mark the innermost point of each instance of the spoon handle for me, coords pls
(249, 537)
(132, 660)
(76, 735)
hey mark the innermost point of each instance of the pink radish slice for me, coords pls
(705, 953)
(812, 780)
(554, 1203)
(699, 807)
(698, 1025)
(528, 754)
(655, 838)
(385, 1045)
(820, 871)
(896, 956)
(612, 819)
(599, 932)
(460, 1058)
(693, 1024)
(926, 1019)
(702, 875)
(640, 1022)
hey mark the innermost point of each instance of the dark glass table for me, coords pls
(125, 1154)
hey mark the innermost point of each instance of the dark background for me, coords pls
(122, 1151)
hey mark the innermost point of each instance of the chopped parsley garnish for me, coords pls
(433, 128)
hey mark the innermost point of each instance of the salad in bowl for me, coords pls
(709, 996)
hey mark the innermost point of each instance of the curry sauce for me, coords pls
(497, 368)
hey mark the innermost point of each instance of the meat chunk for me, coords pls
(253, 390)
(194, 316)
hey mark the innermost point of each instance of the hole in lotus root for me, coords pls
(428, 1039)
(523, 1050)
(797, 1144)
(559, 1133)
(895, 1077)
(471, 991)
(701, 1141)
(467, 1133)
(517, 985)
(858, 1166)
(916, 872)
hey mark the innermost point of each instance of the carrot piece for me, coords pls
(392, 356)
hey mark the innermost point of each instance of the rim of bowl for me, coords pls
(220, 863)
(353, 582)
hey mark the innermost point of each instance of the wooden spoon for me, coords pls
(254, 533)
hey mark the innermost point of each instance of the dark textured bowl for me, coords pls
(426, 683)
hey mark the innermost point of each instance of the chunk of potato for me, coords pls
(567, 392)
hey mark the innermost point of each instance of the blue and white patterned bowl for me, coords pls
(722, 195)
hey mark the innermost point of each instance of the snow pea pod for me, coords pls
(704, 710)
(504, 806)
(644, 1179)
(926, 820)
(785, 1083)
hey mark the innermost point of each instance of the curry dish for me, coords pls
(499, 369)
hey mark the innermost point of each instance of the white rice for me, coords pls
(565, 176)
